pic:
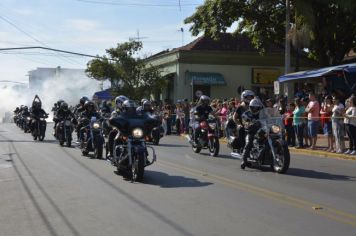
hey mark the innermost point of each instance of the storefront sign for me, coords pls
(207, 78)
(264, 75)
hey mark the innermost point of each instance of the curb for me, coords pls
(309, 152)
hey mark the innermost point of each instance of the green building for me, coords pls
(219, 68)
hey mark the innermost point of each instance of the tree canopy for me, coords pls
(128, 73)
(326, 27)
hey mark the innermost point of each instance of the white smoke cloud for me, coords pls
(69, 86)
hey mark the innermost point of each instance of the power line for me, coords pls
(33, 38)
(55, 50)
(137, 4)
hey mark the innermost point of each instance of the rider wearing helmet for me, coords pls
(119, 100)
(36, 110)
(86, 116)
(62, 113)
(105, 108)
(250, 120)
(201, 113)
(129, 108)
(235, 121)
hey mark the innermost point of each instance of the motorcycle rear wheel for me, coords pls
(281, 165)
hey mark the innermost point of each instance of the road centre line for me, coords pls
(331, 213)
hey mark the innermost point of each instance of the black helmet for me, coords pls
(83, 100)
(89, 105)
(204, 100)
(59, 102)
(64, 106)
(147, 105)
(36, 105)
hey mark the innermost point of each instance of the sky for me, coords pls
(85, 26)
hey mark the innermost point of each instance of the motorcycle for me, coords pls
(64, 132)
(39, 125)
(105, 124)
(269, 148)
(130, 151)
(208, 137)
(26, 123)
(93, 140)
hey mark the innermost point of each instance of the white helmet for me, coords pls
(204, 100)
(247, 96)
(255, 106)
(143, 100)
(119, 100)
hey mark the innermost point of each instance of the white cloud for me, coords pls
(83, 24)
(24, 11)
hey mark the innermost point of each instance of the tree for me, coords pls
(331, 24)
(128, 73)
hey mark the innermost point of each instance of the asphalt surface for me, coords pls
(46, 189)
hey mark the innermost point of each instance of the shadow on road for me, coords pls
(222, 156)
(171, 181)
(172, 145)
(318, 175)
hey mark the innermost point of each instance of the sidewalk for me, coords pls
(322, 144)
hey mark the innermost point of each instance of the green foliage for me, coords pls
(128, 73)
(328, 27)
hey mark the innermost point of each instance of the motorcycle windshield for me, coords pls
(127, 123)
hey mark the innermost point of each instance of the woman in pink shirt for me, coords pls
(313, 110)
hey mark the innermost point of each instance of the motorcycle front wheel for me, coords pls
(282, 161)
(214, 146)
(98, 152)
(138, 167)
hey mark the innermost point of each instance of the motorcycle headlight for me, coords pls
(275, 129)
(137, 133)
(67, 123)
(96, 125)
(28, 118)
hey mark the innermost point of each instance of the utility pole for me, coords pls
(287, 43)
(137, 38)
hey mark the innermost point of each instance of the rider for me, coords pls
(236, 120)
(140, 108)
(201, 113)
(62, 113)
(36, 110)
(86, 116)
(250, 119)
(119, 100)
(78, 111)
(105, 109)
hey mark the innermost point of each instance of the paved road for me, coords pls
(50, 190)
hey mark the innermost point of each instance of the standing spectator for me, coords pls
(186, 109)
(307, 140)
(179, 118)
(338, 124)
(325, 117)
(288, 123)
(167, 116)
(223, 113)
(350, 121)
(313, 110)
(271, 112)
(298, 122)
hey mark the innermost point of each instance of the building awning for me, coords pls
(350, 68)
(102, 95)
(201, 78)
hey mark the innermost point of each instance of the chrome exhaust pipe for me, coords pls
(236, 155)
